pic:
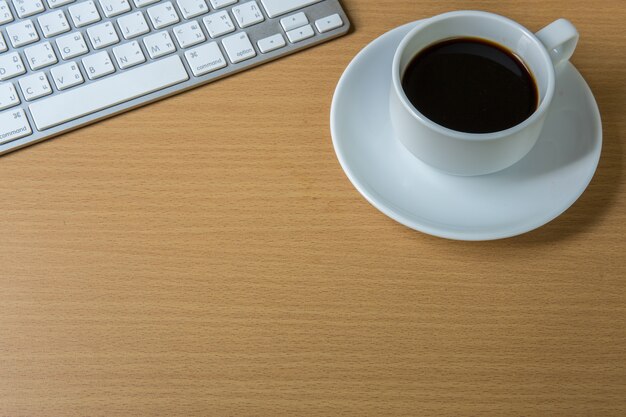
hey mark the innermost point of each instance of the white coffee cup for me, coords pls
(468, 154)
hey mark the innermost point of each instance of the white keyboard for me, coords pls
(68, 63)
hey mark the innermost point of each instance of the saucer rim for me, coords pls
(409, 219)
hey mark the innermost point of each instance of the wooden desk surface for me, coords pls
(207, 256)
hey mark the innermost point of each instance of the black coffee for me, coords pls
(471, 85)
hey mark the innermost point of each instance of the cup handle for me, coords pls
(560, 39)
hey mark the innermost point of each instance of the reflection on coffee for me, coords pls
(471, 85)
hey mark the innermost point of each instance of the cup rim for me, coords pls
(537, 114)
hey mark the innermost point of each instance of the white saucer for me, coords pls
(521, 198)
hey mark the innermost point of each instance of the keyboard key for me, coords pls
(98, 65)
(5, 13)
(40, 56)
(218, 4)
(3, 44)
(72, 45)
(114, 8)
(26, 8)
(35, 86)
(102, 35)
(248, 14)
(218, 24)
(300, 34)
(8, 96)
(141, 3)
(133, 25)
(294, 21)
(53, 23)
(66, 75)
(192, 8)
(159, 44)
(84, 14)
(22, 33)
(189, 34)
(129, 55)
(163, 15)
(276, 8)
(13, 125)
(271, 43)
(204, 59)
(11, 65)
(329, 23)
(59, 3)
(238, 47)
(111, 91)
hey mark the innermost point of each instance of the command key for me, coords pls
(13, 125)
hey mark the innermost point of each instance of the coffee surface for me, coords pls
(471, 85)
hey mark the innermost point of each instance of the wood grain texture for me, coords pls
(206, 256)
